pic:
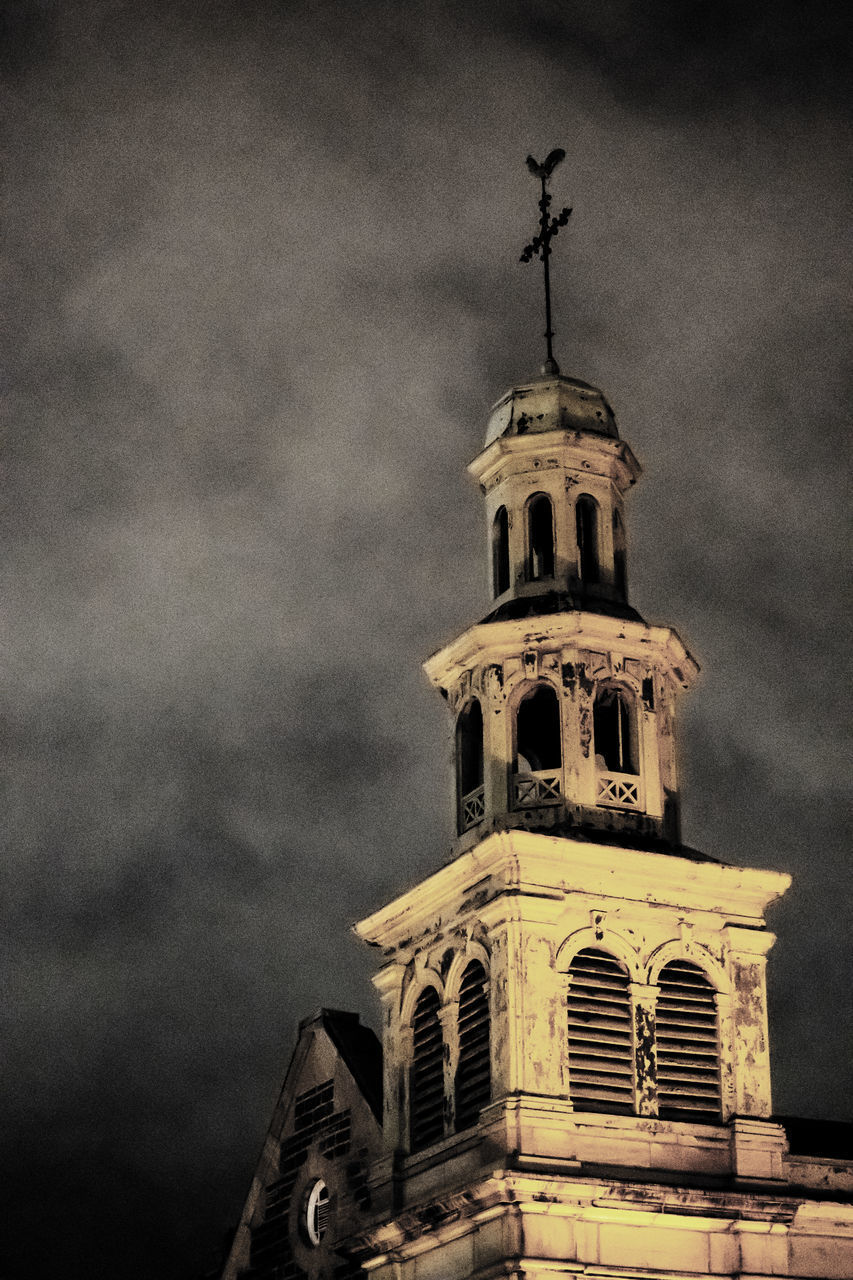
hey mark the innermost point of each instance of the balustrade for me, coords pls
(473, 808)
(619, 790)
(539, 787)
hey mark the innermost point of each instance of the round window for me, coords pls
(316, 1218)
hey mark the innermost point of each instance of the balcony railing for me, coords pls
(541, 787)
(473, 808)
(619, 790)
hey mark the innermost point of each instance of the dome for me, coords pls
(551, 404)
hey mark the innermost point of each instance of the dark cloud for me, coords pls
(262, 282)
(690, 56)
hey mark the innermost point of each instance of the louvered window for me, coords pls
(426, 1078)
(688, 1055)
(473, 1074)
(601, 1044)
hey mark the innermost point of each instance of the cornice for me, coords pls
(494, 641)
(438, 1220)
(578, 450)
(547, 871)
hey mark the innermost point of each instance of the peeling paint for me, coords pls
(493, 680)
(646, 1062)
(585, 732)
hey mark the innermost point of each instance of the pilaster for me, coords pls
(747, 963)
(643, 1000)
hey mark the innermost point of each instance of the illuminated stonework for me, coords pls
(628, 1125)
(598, 750)
(575, 1053)
(526, 905)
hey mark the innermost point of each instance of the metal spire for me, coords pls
(541, 245)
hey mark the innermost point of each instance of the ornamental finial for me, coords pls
(540, 246)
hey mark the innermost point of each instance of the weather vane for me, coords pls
(541, 245)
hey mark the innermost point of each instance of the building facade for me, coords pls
(575, 1071)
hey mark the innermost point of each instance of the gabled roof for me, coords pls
(326, 1124)
(359, 1048)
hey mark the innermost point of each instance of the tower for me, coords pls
(565, 722)
(574, 990)
(575, 1048)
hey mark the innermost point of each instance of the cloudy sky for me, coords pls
(261, 287)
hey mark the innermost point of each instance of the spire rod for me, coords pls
(540, 246)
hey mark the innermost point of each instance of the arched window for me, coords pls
(619, 569)
(601, 1045)
(538, 751)
(688, 1052)
(586, 520)
(469, 765)
(500, 552)
(614, 724)
(538, 743)
(540, 538)
(473, 1073)
(426, 1076)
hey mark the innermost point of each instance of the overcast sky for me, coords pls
(262, 285)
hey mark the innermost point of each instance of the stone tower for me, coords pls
(574, 1007)
(565, 722)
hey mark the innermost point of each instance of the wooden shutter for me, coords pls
(601, 1042)
(688, 1054)
(426, 1077)
(473, 1074)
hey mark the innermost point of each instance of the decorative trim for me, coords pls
(603, 938)
(694, 953)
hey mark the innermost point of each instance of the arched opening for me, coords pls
(540, 538)
(473, 1074)
(601, 1047)
(426, 1075)
(469, 766)
(586, 521)
(688, 1051)
(538, 748)
(619, 566)
(538, 744)
(500, 552)
(615, 731)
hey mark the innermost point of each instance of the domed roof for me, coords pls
(551, 404)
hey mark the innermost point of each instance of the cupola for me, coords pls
(554, 473)
(563, 696)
